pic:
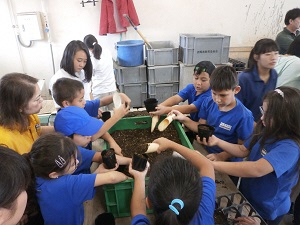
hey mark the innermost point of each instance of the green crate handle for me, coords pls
(141, 123)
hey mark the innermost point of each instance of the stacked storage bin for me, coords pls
(133, 82)
(162, 70)
(194, 48)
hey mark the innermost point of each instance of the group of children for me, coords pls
(252, 121)
(265, 129)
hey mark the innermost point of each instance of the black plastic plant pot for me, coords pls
(150, 104)
(105, 115)
(109, 158)
(139, 162)
(205, 131)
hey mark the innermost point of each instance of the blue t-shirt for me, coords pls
(85, 160)
(270, 194)
(205, 212)
(253, 90)
(230, 126)
(92, 106)
(61, 200)
(189, 93)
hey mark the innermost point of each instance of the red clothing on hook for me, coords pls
(109, 22)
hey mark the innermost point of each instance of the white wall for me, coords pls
(245, 21)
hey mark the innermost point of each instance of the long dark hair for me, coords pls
(174, 178)
(282, 117)
(51, 153)
(262, 46)
(16, 90)
(67, 61)
(92, 43)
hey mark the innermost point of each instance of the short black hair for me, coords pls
(223, 78)
(291, 15)
(66, 89)
(204, 66)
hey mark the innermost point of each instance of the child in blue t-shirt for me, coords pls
(179, 191)
(232, 121)
(195, 93)
(273, 154)
(68, 92)
(75, 123)
(60, 193)
(260, 77)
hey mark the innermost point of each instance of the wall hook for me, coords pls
(88, 1)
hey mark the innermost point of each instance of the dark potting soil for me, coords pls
(135, 141)
(137, 113)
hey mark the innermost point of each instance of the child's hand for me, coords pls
(137, 174)
(213, 157)
(100, 113)
(121, 111)
(116, 147)
(101, 168)
(125, 99)
(163, 143)
(247, 220)
(178, 115)
(212, 141)
(160, 110)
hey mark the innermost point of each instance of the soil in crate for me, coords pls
(135, 141)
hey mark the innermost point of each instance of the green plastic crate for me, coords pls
(118, 196)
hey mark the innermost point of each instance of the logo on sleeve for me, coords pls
(263, 152)
(225, 126)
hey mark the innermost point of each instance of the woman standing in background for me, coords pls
(103, 79)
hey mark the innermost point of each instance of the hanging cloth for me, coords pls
(112, 19)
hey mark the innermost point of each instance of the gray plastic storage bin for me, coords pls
(162, 53)
(162, 91)
(130, 75)
(194, 48)
(136, 92)
(163, 74)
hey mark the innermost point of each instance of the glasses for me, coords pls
(261, 110)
